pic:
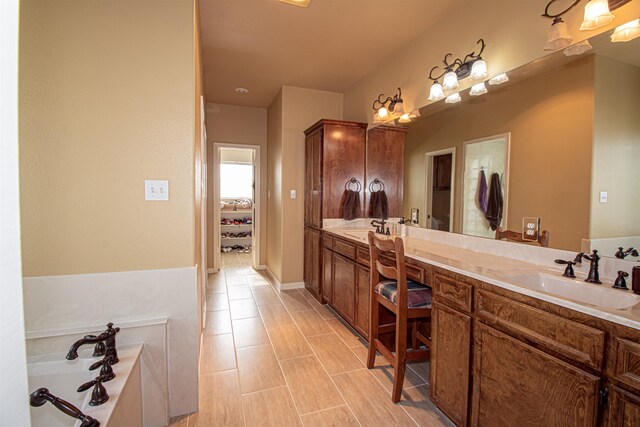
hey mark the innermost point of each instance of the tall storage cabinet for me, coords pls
(334, 153)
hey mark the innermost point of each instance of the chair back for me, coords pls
(395, 272)
(515, 236)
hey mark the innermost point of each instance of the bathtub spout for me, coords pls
(107, 339)
(42, 396)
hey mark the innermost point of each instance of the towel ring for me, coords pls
(347, 185)
(376, 182)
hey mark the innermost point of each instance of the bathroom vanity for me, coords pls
(502, 355)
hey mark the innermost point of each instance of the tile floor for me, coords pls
(281, 359)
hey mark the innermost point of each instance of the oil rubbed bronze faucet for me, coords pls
(379, 225)
(107, 339)
(622, 254)
(594, 275)
(42, 396)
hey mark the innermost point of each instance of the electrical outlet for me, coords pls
(156, 189)
(530, 228)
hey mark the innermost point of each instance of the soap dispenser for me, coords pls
(635, 280)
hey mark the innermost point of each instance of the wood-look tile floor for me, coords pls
(281, 359)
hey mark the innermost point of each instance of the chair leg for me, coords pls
(414, 335)
(401, 358)
(373, 332)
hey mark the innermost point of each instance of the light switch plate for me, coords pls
(530, 228)
(603, 197)
(156, 189)
(294, 194)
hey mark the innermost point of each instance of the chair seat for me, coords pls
(418, 296)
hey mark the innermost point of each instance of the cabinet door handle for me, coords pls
(604, 398)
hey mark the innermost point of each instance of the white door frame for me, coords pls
(255, 262)
(505, 187)
(428, 190)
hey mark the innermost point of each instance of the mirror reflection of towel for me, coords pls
(379, 205)
(495, 205)
(350, 205)
(483, 202)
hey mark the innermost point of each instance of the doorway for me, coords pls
(440, 187)
(236, 239)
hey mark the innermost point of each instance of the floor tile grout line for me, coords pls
(320, 361)
(235, 354)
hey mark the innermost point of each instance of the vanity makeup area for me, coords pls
(513, 341)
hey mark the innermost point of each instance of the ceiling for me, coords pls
(262, 45)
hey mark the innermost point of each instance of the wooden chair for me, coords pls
(516, 236)
(408, 300)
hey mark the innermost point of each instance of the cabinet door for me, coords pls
(313, 180)
(327, 276)
(385, 161)
(515, 384)
(362, 300)
(312, 261)
(450, 362)
(344, 286)
(625, 409)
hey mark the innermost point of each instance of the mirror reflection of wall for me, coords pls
(575, 134)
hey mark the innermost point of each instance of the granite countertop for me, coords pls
(491, 268)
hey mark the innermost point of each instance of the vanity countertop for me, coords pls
(491, 268)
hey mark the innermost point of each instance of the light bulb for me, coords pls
(453, 98)
(436, 93)
(479, 70)
(626, 32)
(478, 89)
(559, 37)
(383, 113)
(596, 15)
(450, 81)
(499, 79)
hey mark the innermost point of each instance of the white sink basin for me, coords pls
(574, 289)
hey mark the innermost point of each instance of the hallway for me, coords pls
(281, 359)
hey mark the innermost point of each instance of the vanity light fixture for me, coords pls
(453, 98)
(626, 32)
(596, 15)
(499, 79)
(382, 112)
(472, 65)
(478, 89)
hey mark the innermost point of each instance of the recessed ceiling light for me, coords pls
(302, 3)
(242, 90)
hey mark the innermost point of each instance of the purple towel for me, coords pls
(483, 199)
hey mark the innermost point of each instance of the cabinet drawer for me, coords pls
(576, 341)
(328, 241)
(345, 248)
(452, 292)
(362, 255)
(627, 366)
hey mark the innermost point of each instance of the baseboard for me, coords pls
(262, 267)
(273, 278)
(292, 285)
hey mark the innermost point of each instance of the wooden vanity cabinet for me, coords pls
(334, 153)
(624, 410)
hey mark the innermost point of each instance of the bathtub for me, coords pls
(62, 377)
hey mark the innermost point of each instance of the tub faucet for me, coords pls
(622, 254)
(108, 338)
(594, 275)
(42, 396)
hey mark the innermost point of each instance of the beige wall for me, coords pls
(233, 124)
(274, 186)
(293, 110)
(513, 30)
(101, 110)
(550, 117)
(616, 150)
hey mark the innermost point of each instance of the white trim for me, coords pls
(428, 158)
(273, 277)
(257, 203)
(261, 267)
(292, 285)
(30, 335)
(211, 270)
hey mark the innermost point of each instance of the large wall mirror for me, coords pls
(563, 139)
